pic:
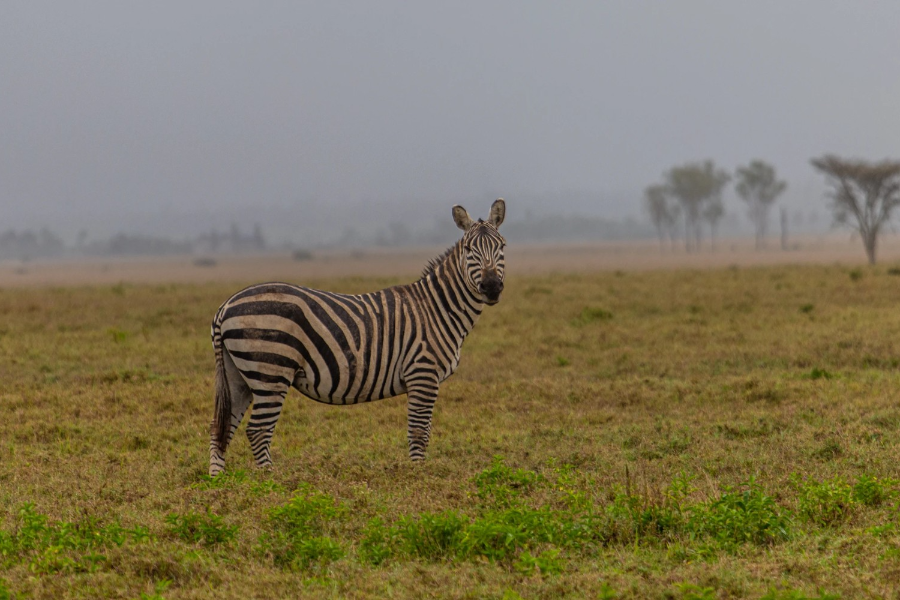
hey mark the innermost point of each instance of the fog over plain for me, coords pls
(170, 118)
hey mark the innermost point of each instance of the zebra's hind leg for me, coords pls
(240, 400)
(261, 428)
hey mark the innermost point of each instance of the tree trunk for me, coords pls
(870, 240)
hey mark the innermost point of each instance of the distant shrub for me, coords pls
(302, 254)
(856, 274)
(806, 308)
(893, 271)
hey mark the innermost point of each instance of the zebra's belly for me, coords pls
(305, 384)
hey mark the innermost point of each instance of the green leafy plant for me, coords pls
(432, 536)
(546, 563)
(208, 529)
(872, 491)
(376, 545)
(62, 546)
(746, 516)
(825, 503)
(297, 538)
(502, 485)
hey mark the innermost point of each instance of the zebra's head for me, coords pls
(481, 259)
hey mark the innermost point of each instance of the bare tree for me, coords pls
(663, 215)
(866, 191)
(695, 185)
(758, 186)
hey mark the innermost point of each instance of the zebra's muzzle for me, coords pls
(490, 288)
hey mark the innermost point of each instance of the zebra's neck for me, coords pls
(450, 303)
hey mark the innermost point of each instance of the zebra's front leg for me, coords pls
(261, 428)
(419, 408)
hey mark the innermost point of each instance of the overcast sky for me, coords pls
(123, 115)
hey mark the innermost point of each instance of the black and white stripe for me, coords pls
(343, 349)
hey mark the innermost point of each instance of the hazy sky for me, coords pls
(127, 115)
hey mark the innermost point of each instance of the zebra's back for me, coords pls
(334, 348)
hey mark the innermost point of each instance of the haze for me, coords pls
(170, 118)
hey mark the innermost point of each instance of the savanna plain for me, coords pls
(726, 432)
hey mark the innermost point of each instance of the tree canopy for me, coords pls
(758, 186)
(697, 186)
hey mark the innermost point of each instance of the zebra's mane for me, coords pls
(435, 262)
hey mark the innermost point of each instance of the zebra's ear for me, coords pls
(498, 212)
(461, 217)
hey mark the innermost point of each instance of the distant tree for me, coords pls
(662, 214)
(695, 185)
(675, 213)
(712, 213)
(758, 186)
(863, 194)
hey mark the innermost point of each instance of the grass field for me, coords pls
(686, 434)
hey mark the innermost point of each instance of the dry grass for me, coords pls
(787, 375)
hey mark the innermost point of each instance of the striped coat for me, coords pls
(346, 349)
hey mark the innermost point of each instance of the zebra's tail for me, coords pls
(222, 412)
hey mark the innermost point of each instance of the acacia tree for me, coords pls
(695, 186)
(758, 186)
(663, 214)
(863, 194)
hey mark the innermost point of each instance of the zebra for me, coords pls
(346, 349)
